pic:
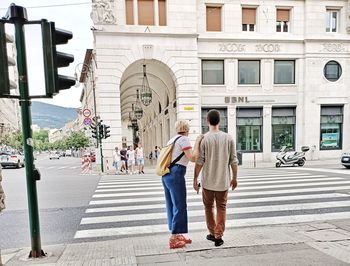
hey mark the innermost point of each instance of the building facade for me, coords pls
(278, 71)
(9, 108)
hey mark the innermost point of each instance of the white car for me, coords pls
(11, 159)
(345, 159)
(54, 155)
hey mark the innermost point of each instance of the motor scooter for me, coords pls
(287, 156)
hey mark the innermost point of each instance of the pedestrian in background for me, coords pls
(217, 157)
(174, 184)
(140, 160)
(124, 160)
(131, 160)
(117, 160)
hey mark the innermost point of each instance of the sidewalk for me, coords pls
(318, 243)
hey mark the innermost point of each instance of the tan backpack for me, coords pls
(164, 162)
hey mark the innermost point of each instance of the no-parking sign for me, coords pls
(87, 121)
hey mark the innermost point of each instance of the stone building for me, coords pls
(9, 108)
(278, 71)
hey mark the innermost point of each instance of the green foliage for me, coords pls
(14, 140)
(75, 140)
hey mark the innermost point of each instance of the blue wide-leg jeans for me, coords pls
(175, 197)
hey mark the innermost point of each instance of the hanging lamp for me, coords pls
(146, 92)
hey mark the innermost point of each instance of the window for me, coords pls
(249, 72)
(129, 6)
(213, 18)
(145, 12)
(331, 127)
(284, 72)
(223, 119)
(332, 71)
(212, 72)
(332, 20)
(162, 12)
(248, 19)
(283, 128)
(282, 20)
(249, 129)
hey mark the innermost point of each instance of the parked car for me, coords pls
(345, 159)
(11, 159)
(54, 155)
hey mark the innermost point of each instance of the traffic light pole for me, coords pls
(100, 142)
(25, 103)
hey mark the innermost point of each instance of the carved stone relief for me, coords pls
(334, 47)
(102, 12)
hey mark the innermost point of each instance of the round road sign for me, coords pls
(87, 121)
(86, 112)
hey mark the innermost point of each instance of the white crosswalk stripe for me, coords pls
(135, 205)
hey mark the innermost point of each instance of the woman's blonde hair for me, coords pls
(182, 126)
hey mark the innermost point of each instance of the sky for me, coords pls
(67, 16)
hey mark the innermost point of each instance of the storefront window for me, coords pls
(331, 127)
(248, 72)
(249, 129)
(223, 119)
(212, 72)
(283, 128)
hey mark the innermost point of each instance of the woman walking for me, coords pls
(174, 184)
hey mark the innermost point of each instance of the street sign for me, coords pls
(87, 121)
(86, 113)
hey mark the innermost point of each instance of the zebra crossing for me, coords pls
(135, 205)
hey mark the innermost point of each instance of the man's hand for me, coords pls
(195, 185)
(233, 183)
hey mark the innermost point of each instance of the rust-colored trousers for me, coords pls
(215, 225)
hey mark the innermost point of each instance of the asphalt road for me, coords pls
(63, 195)
(75, 208)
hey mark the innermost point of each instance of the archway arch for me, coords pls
(154, 128)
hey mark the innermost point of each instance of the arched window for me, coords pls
(332, 71)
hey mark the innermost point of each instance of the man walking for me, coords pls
(218, 160)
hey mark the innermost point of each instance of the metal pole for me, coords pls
(100, 141)
(25, 103)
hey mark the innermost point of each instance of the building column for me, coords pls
(267, 133)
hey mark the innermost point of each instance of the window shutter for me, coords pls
(213, 18)
(162, 12)
(129, 6)
(249, 16)
(282, 15)
(146, 12)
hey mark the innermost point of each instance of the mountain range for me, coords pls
(51, 116)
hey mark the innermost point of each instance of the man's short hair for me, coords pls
(213, 117)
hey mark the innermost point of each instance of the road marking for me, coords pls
(151, 183)
(240, 188)
(334, 171)
(230, 201)
(258, 194)
(189, 185)
(200, 213)
(163, 228)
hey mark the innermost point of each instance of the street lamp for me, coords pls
(146, 92)
(138, 112)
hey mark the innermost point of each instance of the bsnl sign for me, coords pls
(236, 99)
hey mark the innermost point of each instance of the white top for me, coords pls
(131, 155)
(139, 153)
(182, 144)
(116, 156)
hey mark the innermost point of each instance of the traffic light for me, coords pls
(5, 61)
(93, 131)
(100, 130)
(106, 131)
(54, 59)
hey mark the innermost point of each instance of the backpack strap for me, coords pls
(178, 157)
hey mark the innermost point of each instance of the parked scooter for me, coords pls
(287, 156)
